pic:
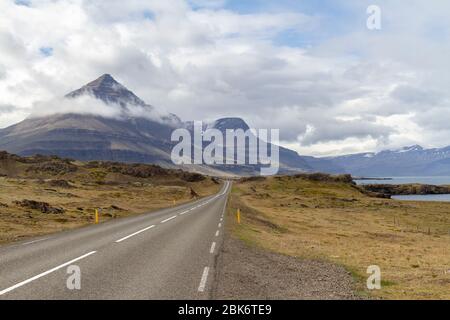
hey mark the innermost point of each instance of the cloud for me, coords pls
(81, 105)
(411, 95)
(338, 130)
(2, 72)
(89, 105)
(349, 89)
(6, 109)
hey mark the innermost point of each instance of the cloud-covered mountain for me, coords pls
(104, 97)
(334, 86)
(129, 130)
(107, 89)
(103, 120)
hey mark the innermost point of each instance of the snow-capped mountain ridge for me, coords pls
(411, 160)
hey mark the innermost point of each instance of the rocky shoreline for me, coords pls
(404, 189)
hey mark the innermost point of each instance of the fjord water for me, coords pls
(436, 180)
(424, 197)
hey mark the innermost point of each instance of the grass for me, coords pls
(79, 202)
(333, 221)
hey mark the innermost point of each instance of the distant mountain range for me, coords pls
(128, 138)
(407, 161)
(135, 137)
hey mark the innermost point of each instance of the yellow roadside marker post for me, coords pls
(238, 215)
(96, 216)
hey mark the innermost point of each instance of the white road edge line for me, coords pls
(133, 234)
(168, 219)
(202, 285)
(35, 241)
(213, 246)
(217, 233)
(20, 284)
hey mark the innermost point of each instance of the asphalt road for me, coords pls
(167, 254)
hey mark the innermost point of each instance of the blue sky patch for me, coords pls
(149, 15)
(46, 51)
(25, 3)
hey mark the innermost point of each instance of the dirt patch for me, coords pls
(245, 272)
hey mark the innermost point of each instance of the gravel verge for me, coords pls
(245, 272)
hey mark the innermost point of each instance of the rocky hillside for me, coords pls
(137, 133)
(101, 172)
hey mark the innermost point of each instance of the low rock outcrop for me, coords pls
(406, 189)
(44, 207)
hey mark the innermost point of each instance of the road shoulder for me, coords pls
(245, 272)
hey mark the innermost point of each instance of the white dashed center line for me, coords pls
(168, 219)
(213, 246)
(217, 233)
(133, 234)
(202, 285)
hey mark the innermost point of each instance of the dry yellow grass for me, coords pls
(79, 202)
(117, 189)
(410, 241)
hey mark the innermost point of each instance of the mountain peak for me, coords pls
(230, 123)
(415, 147)
(104, 80)
(107, 89)
(107, 76)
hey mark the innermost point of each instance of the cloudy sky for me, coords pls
(310, 68)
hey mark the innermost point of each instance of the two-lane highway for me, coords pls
(168, 254)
